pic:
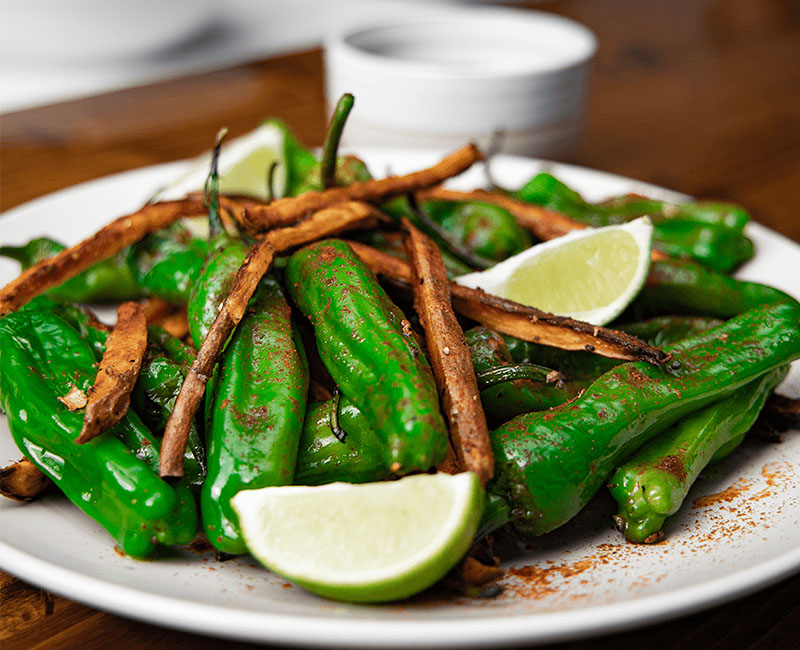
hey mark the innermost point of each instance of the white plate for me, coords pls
(581, 580)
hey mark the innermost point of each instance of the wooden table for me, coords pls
(698, 96)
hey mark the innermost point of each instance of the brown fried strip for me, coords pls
(449, 355)
(543, 223)
(110, 396)
(107, 241)
(173, 318)
(23, 481)
(259, 259)
(523, 322)
(289, 210)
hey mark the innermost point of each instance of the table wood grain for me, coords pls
(698, 96)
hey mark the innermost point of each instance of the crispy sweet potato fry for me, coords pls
(449, 356)
(107, 241)
(543, 223)
(289, 210)
(233, 205)
(172, 318)
(110, 396)
(23, 481)
(321, 224)
(523, 322)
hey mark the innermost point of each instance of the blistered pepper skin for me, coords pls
(214, 284)
(551, 463)
(485, 229)
(502, 402)
(167, 263)
(255, 420)
(154, 393)
(323, 458)
(370, 351)
(108, 280)
(652, 484)
(42, 356)
(709, 233)
(677, 286)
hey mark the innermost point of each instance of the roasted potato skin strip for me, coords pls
(289, 210)
(523, 322)
(110, 395)
(107, 241)
(449, 356)
(543, 223)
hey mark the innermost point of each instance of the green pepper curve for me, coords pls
(257, 407)
(549, 464)
(489, 350)
(156, 388)
(369, 353)
(484, 228)
(323, 458)
(677, 286)
(108, 280)
(708, 233)
(168, 262)
(653, 483)
(42, 356)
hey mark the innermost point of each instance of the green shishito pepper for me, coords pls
(687, 288)
(226, 254)
(549, 464)
(502, 402)
(255, 419)
(485, 229)
(710, 233)
(582, 368)
(159, 382)
(653, 483)
(369, 352)
(324, 458)
(168, 262)
(108, 280)
(110, 478)
(302, 170)
(156, 389)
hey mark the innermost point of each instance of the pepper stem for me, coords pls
(328, 165)
(211, 189)
(340, 433)
(493, 376)
(431, 228)
(271, 181)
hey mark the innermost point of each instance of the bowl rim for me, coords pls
(340, 46)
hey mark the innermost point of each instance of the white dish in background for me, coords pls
(580, 580)
(58, 32)
(441, 81)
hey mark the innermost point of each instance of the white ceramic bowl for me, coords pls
(438, 82)
(58, 32)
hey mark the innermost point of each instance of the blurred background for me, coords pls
(702, 96)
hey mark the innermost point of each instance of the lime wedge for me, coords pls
(243, 166)
(372, 542)
(591, 274)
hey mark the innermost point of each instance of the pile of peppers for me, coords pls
(321, 317)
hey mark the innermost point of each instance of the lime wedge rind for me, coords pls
(591, 274)
(309, 557)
